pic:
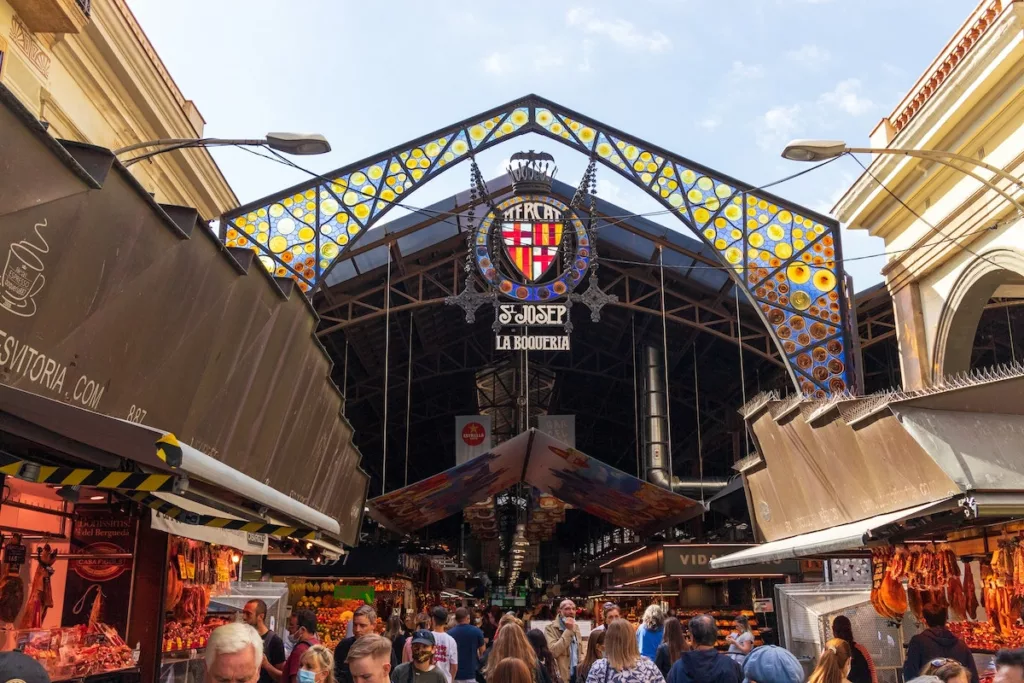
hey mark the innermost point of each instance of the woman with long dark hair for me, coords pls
(595, 651)
(545, 660)
(862, 670)
(672, 647)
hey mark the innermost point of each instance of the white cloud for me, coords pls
(777, 125)
(846, 96)
(617, 30)
(609, 191)
(825, 204)
(498, 63)
(744, 71)
(710, 122)
(809, 55)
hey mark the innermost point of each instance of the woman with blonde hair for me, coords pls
(622, 661)
(650, 632)
(316, 665)
(510, 671)
(511, 643)
(834, 663)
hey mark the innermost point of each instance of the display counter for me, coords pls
(78, 652)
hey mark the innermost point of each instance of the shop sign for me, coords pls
(764, 605)
(95, 583)
(14, 554)
(531, 252)
(638, 566)
(562, 427)
(472, 437)
(695, 560)
(365, 593)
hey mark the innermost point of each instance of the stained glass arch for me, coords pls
(786, 258)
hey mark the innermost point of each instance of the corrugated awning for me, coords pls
(839, 538)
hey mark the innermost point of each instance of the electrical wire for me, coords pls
(915, 213)
(611, 223)
(436, 213)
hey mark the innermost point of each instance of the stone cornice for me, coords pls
(938, 114)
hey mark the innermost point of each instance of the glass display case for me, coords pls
(77, 652)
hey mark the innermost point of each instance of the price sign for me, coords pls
(764, 605)
(14, 553)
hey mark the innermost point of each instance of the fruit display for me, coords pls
(311, 594)
(191, 636)
(982, 635)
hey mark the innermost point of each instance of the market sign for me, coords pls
(695, 560)
(531, 252)
(364, 593)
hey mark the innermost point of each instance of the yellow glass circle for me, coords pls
(278, 244)
(798, 273)
(733, 255)
(701, 215)
(306, 233)
(783, 250)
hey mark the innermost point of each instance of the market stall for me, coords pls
(65, 581)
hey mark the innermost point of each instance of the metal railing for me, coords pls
(85, 5)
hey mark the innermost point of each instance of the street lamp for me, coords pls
(289, 143)
(821, 150)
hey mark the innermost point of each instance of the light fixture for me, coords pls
(289, 143)
(822, 150)
(814, 150)
(96, 497)
(309, 546)
(69, 493)
(29, 471)
(236, 558)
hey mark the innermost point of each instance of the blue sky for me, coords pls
(724, 83)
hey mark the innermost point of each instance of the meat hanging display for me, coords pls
(970, 593)
(40, 594)
(932, 574)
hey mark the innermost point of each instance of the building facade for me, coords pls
(86, 68)
(952, 234)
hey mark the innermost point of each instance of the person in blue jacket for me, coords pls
(704, 664)
(936, 642)
(651, 630)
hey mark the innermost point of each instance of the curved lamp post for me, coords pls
(820, 150)
(289, 143)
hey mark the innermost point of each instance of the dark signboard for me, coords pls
(638, 565)
(98, 586)
(695, 560)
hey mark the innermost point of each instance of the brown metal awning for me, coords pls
(136, 311)
(840, 461)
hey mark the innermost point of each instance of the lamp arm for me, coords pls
(943, 158)
(186, 142)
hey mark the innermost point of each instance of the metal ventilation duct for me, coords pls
(656, 432)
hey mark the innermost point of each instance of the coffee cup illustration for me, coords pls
(23, 275)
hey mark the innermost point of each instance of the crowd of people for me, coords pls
(436, 648)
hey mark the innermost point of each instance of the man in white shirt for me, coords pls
(446, 651)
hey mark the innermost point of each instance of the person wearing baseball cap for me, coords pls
(17, 666)
(771, 664)
(421, 669)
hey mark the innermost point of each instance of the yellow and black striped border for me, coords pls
(100, 479)
(188, 517)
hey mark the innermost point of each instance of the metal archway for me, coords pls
(787, 259)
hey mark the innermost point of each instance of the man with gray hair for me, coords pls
(234, 654)
(563, 636)
(704, 664)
